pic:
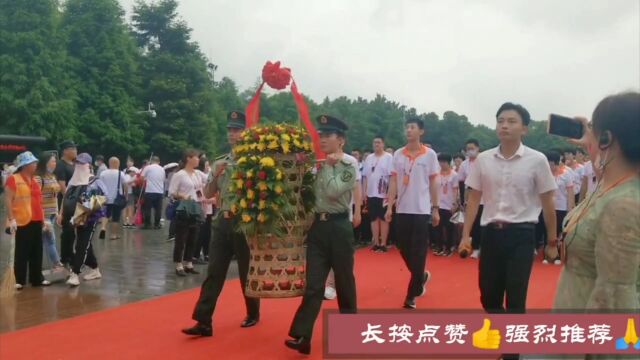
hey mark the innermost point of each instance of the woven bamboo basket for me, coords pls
(277, 264)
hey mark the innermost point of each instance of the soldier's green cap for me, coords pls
(236, 119)
(329, 124)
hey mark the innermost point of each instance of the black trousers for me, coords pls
(413, 241)
(541, 228)
(152, 201)
(67, 239)
(28, 254)
(186, 239)
(330, 245)
(505, 267)
(443, 235)
(204, 238)
(84, 248)
(476, 230)
(225, 244)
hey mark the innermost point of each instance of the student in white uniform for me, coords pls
(414, 180)
(376, 171)
(472, 149)
(563, 197)
(443, 234)
(578, 171)
(516, 183)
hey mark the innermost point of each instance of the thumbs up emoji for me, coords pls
(485, 338)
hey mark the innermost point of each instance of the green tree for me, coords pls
(35, 95)
(176, 79)
(103, 62)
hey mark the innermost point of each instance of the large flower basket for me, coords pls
(272, 195)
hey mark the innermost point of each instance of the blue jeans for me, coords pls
(49, 242)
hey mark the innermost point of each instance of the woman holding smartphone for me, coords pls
(601, 244)
(186, 185)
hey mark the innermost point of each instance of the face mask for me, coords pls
(50, 170)
(472, 153)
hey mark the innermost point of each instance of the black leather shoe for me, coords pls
(199, 329)
(249, 322)
(181, 272)
(409, 303)
(301, 344)
(189, 270)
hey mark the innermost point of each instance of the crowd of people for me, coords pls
(504, 205)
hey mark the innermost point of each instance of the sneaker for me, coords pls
(58, 268)
(545, 261)
(427, 277)
(18, 286)
(557, 262)
(535, 252)
(44, 283)
(475, 254)
(102, 234)
(73, 280)
(409, 303)
(384, 249)
(329, 293)
(374, 248)
(93, 274)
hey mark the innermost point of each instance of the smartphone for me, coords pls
(565, 127)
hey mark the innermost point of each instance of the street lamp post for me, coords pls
(151, 110)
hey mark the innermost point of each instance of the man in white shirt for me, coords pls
(516, 182)
(443, 234)
(414, 180)
(578, 171)
(153, 175)
(111, 177)
(376, 172)
(472, 149)
(589, 180)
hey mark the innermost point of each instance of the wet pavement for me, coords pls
(136, 267)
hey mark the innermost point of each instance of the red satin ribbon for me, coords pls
(252, 113)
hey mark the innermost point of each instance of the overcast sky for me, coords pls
(469, 56)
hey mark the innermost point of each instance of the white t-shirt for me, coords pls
(512, 186)
(154, 176)
(110, 179)
(377, 171)
(414, 197)
(448, 186)
(578, 171)
(186, 184)
(591, 177)
(564, 181)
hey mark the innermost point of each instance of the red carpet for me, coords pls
(151, 329)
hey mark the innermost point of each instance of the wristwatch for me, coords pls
(435, 207)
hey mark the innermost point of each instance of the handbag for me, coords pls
(458, 217)
(170, 211)
(190, 211)
(120, 201)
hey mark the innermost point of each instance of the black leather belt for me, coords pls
(505, 225)
(330, 216)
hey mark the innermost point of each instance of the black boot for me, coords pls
(199, 329)
(301, 344)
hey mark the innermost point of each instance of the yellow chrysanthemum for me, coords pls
(246, 218)
(297, 143)
(278, 174)
(230, 188)
(267, 162)
(242, 160)
(273, 145)
(262, 217)
(261, 146)
(261, 138)
(253, 146)
(234, 209)
(285, 137)
(243, 203)
(249, 174)
(250, 194)
(254, 158)
(272, 137)
(285, 148)
(278, 189)
(262, 204)
(239, 183)
(275, 206)
(262, 186)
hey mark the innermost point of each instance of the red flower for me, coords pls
(239, 192)
(248, 183)
(262, 174)
(251, 204)
(275, 76)
(263, 195)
